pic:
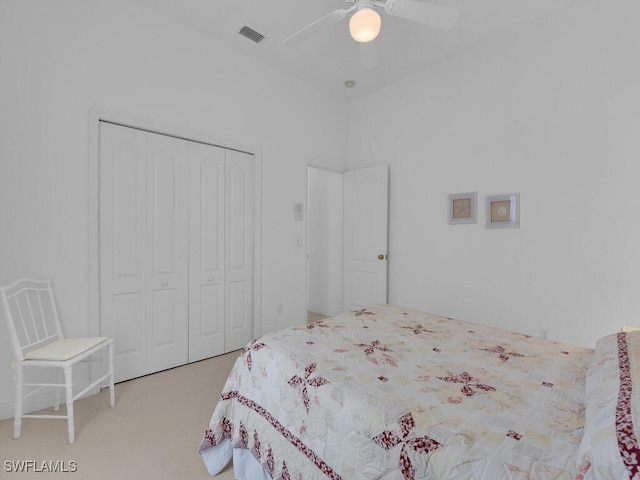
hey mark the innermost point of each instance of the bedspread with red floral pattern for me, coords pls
(392, 393)
(610, 447)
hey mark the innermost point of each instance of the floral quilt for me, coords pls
(610, 448)
(397, 394)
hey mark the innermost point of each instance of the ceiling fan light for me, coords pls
(364, 25)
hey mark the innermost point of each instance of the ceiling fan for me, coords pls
(364, 24)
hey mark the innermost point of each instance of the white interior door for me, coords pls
(366, 198)
(143, 249)
(221, 250)
(123, 274)
(167, 252)
(206, 251)
(239, 213)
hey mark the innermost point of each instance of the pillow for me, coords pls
(609, 448)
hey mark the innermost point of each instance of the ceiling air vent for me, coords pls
(251, 34)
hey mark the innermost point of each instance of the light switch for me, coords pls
(298, 212)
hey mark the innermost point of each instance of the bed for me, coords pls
(397, 394)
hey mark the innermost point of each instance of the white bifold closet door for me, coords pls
(220, 250)
(176, 249)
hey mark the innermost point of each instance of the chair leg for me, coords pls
(69, 390)
(17, 421)
(112, 397)
(56, 406)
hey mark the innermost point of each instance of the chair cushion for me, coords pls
(64, 349)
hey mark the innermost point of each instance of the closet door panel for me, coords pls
(211, 318)
(237, 307)
(164, 303)
(167, 250)
(127, 310)
(127, 328)
(206, 251)
(126, 220)
(165, 178)
(123, 190)
(239, 259)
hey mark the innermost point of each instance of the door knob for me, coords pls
(164, 283)
(381, 257)
(210, 279)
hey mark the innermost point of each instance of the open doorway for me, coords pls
(347, 239)
(324, 242)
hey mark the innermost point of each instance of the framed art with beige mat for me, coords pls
(462, 208)
(503, 211)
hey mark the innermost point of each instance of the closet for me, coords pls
(176, 249)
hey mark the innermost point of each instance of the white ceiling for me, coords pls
(330, 58)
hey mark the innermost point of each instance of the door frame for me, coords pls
(98, 114)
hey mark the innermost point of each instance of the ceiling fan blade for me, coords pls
(432, 15)
(317, 26)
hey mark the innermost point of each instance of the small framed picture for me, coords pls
(503, 211)
(463, 208)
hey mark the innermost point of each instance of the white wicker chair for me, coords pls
(34, 329)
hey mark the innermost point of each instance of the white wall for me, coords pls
(552, 112)
(59, 59)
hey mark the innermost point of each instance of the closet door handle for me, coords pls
(164, 283)
(210, 279)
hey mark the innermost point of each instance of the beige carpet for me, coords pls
(314, 317)
(152, 433)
